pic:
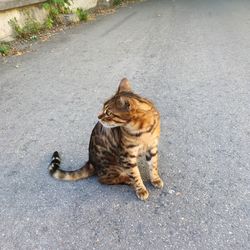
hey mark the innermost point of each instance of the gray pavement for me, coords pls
(193, 59)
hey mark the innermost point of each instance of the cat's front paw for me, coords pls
(142, 194)
(158, 183)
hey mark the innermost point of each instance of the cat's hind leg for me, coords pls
(130, 176)
(114, 176)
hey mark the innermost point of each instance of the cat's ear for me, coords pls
(124, 86)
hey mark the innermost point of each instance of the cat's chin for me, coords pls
(107, 126)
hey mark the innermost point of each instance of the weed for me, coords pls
(82, 14)
(33, 38)
(48, 24)
(117, 2)
(56, 7)
(4, 48)
(30, 28)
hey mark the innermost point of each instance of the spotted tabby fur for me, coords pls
(128, 127)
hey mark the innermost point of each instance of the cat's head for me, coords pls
(122, 108)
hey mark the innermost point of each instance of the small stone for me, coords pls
(171, 191)
(68, 19)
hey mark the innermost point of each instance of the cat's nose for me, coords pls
(100, 115)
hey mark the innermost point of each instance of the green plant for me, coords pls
(30, 28)
(56, 7)
(48, 24)
(117, 2)
(4, 48)
(15, 26)
(82, 14)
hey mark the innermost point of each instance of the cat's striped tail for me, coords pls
(81, 173)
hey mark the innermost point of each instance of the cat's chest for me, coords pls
(144, 143)
(145, 139)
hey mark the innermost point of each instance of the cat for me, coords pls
(128, 127)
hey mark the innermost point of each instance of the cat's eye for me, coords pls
(108, 113)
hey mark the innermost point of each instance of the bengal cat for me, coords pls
(128, 127)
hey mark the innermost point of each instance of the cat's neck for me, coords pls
(142, 123)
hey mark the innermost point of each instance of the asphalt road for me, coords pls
(193, 59)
